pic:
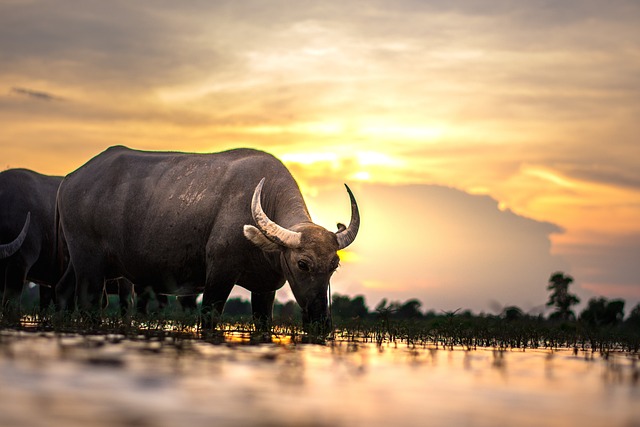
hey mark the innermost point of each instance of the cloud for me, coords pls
(35, 94)
(453, 249)
(444, 246)
(607, 265)
(293, 61)
(606, 175)
(120, 47)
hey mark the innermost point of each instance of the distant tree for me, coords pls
(359, 306)
(385, 311)
(635, 313)
(409, 310)
(288, 312)
(600, 312)
(237, 307)
(512, 312)
(560, 297)
(633, 321)
(343, 307)
(614, 313)
(431, 314)
(397, 310)
(382, 306)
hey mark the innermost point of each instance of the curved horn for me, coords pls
(348, 235)
(274, 232)
(9, 249)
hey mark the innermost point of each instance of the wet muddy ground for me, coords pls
(50, 379)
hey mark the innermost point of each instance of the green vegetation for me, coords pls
(601, 326)
(510, 329)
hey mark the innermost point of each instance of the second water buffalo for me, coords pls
(28, 194)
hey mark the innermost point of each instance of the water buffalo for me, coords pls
(25, 193)
(186, 223)
(33, 255)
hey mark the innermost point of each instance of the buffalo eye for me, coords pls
(302, 265)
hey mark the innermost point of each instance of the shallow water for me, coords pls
(70, 380)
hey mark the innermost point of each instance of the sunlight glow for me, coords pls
(385, 284)
(549, 175)
(309, 158)
(361, 176)
(368, 158)
(315, 128)
(348, 257)
(421, 133)
(375, 284)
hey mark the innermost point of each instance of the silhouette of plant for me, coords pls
(634, 316)
(237, 307)
(560, 297)
(600, 312)
(409, 310)
(345, 308)
(512, 313)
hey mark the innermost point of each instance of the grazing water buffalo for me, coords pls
(185, 223)
(25, 193)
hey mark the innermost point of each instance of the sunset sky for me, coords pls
(489, 143)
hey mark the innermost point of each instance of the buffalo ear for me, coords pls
(256, 237)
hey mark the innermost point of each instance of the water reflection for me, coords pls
(50, 379)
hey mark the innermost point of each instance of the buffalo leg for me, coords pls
(142, 299)
(89, 293)
(188, 303)
(125, 294)
(3, 279)
(262, 308)
(122, 288)
(89, 283)
(213, 300)
(148, 302)
(46, 296)
(163, 301)
(15, 277)
(64, 295)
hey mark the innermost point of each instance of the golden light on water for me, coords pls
(168, 382)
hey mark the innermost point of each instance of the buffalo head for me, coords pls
(308, 256)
